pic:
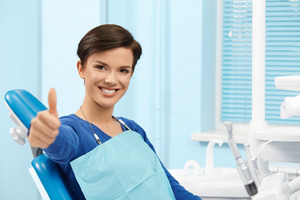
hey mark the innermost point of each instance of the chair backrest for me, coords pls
(23, 107)
(51, 178)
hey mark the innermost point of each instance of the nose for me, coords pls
(111, 78)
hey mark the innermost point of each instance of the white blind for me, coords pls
(282, 57)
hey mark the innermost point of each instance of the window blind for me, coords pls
(282, 57)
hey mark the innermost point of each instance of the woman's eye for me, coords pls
(100, 67)
(125, 71)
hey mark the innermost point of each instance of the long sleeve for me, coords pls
(65, 145)
(75, 139)
(179, 191)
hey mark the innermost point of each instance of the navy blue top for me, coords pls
(75, 139)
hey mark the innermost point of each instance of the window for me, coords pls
(282, 57)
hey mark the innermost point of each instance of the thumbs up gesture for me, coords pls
(44, 127)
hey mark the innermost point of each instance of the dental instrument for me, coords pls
(242, 166)
(252, 162)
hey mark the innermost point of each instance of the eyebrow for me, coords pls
(103, 63)
(100, 62)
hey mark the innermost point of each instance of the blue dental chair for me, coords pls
(23, 107)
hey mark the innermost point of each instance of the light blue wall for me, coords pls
(208, 65)
(185, 80)
(19, 49)
(173, 89)
(64, 23)
(144, 101)
(223, 156)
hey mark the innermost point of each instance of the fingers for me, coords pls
(44, 127)
(39, 140)
(43, 130)
(47, 120)
(52, 101)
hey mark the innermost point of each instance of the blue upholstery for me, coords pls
(26, 106)
(51, 178)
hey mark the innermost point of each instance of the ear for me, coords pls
(80, 69)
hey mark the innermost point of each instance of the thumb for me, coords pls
(52, 102)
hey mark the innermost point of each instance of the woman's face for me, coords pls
(107, 75)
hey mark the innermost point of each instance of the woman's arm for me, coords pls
(63, 149)
(179, 191)
(46, 132)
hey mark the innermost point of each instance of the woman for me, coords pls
(101, 156)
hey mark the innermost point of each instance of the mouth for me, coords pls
(108, 91)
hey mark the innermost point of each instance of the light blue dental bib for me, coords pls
(122, 168)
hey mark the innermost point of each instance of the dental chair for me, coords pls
(23, 107)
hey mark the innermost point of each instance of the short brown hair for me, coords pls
(105, 37)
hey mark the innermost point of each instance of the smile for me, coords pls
(108, 91)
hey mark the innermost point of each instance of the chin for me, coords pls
(106, 105)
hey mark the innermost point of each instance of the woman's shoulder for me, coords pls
(137, 128)
(129, 122)
(71, 120)
(70, 117)
(133, 125)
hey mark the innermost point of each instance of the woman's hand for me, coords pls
(44, 127)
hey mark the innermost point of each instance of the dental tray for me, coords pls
(288, 83)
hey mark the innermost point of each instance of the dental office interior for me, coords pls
(216, 89)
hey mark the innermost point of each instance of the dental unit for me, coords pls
(23, 107)
(279, 144)
(209, 182)
(264, 144)
(267, 144)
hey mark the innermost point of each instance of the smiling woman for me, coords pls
(101, 155)
(112, 76)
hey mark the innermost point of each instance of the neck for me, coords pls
(95, 113)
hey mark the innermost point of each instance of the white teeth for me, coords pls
(108, 91)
